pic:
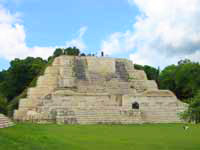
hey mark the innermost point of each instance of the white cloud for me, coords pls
(117, 43)
(6, 17)
(165, 31)
(78, 42)
(12, 39)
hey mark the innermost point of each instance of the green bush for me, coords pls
(3, 105)
(192, 114)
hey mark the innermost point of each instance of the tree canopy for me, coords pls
(19, 75)
(72, 51)
(192, 114)
(151, 72)
(183, 79)
(67, 51)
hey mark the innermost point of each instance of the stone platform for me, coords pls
(91, 90)
(5, 122)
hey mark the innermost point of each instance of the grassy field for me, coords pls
(100, 137)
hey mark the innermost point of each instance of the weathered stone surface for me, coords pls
(91, 90)
(5, 122)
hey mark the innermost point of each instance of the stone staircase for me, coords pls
(5, 122)
(66, 111)
(97, 116)
(106, 116)
(121, 71)
(80, 69)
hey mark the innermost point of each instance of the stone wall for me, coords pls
(91, 90)
(5, 122)
(102, 66)
(162, 108)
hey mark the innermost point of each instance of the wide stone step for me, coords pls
(5, 125)
(5, 122)
(96, 117)
(100, 120)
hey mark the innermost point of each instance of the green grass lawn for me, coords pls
(100, 137)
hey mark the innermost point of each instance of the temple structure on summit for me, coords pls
(92, 90)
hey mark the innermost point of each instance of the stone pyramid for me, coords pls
(5, 122)
(95, 90)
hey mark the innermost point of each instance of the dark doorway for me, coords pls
(135, 105)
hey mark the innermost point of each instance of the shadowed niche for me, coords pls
(135, 105)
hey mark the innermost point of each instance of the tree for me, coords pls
(58, 52)
(3, 105)
(185, 61)
(183, 79)
(138, 67)
(167, 78)
(192, 114)
(72, 51)
(151, 72)
(83, 54)
(19, 76)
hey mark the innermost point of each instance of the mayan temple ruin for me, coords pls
(97, 90)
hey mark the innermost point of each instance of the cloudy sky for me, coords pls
(152, 32)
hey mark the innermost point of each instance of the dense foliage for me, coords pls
(151, 72)
(192, 114)
(67, 51)
(183, 79)
(16, 79)
(3, 105)
(19, 75)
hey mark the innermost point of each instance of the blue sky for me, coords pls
(51, 23)
(54, 22)
(135, 29)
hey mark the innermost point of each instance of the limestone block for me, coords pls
(101, 66)
(51, 70)
(22, 102)
(66, 72)
(128, 64)
(56, 61)
(19, 115)
(47, 81)
(143, 85)
(67, 82)
(39, 91)
(151, 85)
(137, 75)
(29, 103)
(63, 60)
(5, 121)
(158, 93)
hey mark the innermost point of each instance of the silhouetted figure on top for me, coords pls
(102, 54)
